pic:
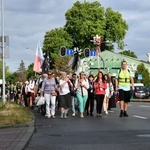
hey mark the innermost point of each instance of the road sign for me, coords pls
(69, 51)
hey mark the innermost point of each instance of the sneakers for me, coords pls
(123, 114)
(99, 115)
(65, 115)
(62, 115)
(106, 112)
(81, 115)
(73, 115)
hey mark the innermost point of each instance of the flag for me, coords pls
(38, 61)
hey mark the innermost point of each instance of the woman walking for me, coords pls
(48, 90)
(64, 94)
(82, 86)
(99, 86)
(108, 93)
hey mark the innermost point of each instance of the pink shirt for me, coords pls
(100, 88)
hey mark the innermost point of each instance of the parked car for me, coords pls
(148, 90)
(141, 92)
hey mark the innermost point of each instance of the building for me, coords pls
(110, 62)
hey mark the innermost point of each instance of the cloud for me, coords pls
(27, 21)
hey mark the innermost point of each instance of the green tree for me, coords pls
(61, 64)
(141, 69)
(53, 40)
(29, 71)
(21, 73)
(11, 77)
(85, 20)
(128, 53)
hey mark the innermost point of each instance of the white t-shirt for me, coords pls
(65, 89)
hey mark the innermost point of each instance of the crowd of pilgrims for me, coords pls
(78, 94)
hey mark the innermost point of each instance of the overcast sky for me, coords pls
(26, 22)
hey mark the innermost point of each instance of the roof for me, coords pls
(110, 62)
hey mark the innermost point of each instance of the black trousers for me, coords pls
(99, 103)
(90, 102)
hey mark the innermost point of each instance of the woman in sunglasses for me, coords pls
(48, 90)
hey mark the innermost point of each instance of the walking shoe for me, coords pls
(65, 115)
(106, 112)
(125, 114)
(53, 117)
(73, 115)
(121, 114)
(62, 115)
(97, 115)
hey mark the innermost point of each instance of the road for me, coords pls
(93, 133)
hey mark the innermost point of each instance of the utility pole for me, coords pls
(3, 51)
(97, 40)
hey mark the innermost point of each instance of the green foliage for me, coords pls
(141, 69)
(85, 20)
(11, 77)
(116, 27)
(53, 40)
(128, 53)
(61, 64)
(12, 114)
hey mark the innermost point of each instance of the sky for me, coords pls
(27, 21)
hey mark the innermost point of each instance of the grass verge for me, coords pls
(12, 114)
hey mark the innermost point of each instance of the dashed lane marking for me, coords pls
(144, 135)
(143, 106)
(139, 117)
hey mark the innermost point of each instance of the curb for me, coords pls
(140, 100)
(30, 127)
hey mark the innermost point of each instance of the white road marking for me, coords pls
(139, 117)
(143, 106)
(144, 135)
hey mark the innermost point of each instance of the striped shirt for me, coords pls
(48, 85)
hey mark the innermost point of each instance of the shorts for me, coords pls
(124, 95)
(65, 101)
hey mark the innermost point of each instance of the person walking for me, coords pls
(82, 86)
(108, 93)
(48, 90)
(64, 94)
(90, 101)
(123, 80)
(73, 94)
(99, 91)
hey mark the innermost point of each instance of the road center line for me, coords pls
(143, 106)
(139, 117)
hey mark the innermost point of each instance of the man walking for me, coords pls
(123, 81)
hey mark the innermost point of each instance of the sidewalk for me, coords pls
(16, 137)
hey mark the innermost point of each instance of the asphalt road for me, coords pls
(93, 133)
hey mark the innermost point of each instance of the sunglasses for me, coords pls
(50, 74)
